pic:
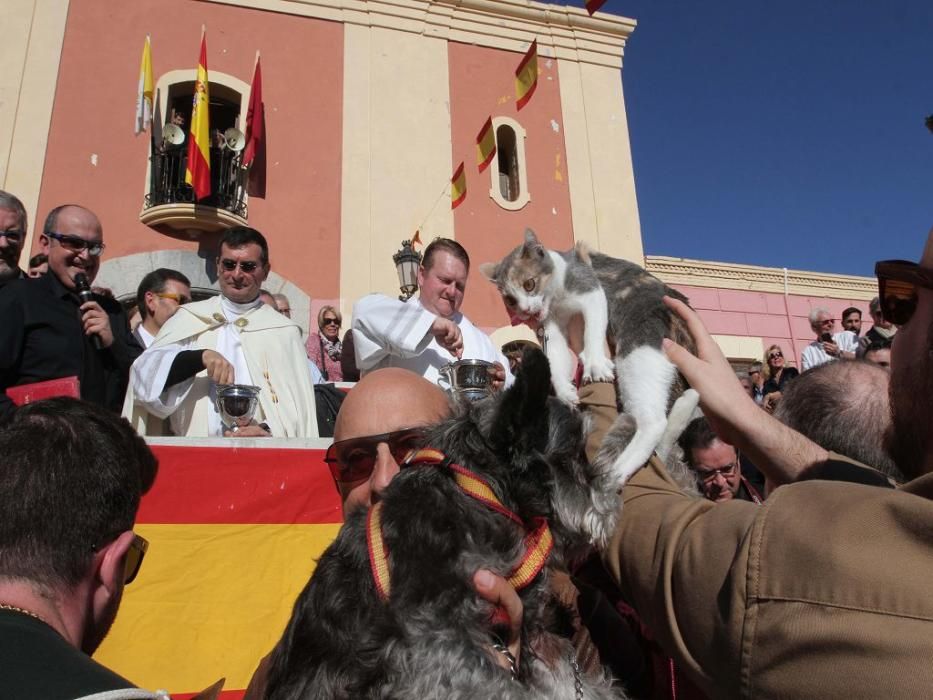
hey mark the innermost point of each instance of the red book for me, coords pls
(28, 393)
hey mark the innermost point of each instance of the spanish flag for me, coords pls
(593, 5)
(458, 187)
(526, 76)
(144, 94)
(198, 171)
(485, 145)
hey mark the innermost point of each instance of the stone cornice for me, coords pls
(563, 32)
(706, 273)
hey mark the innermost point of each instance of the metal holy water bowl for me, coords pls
(237, 404)
(467, 379)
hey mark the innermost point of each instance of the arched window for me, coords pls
(509, 187)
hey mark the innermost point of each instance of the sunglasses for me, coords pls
(331, 322)
(134, 558)
(181, 299)
(775, 355)
(76, 244)
(352, 461)
(708, 476)
(12, 236)
(245, 265)
(897, 288)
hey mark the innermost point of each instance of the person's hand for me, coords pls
(247, 431)
(96, 322)
(497, 372)
(496, 590)
(218, 369)
(830, 348)
(448, 336)
(770, 401)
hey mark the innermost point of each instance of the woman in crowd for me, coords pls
(324, 347)
(776, 375)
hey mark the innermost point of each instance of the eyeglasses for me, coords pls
(331, 322)
(180, 298)
(897, 288)
(13, 236)
(134, 558)
(825, 321)
(76, 244)
(709, 476)
(353, 460)
(775, 355)
(754, 371)
(246, 266)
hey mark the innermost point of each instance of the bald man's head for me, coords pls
(385, 401)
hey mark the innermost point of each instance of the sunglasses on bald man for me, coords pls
(897, 288)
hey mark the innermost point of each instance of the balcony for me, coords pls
(170, 204)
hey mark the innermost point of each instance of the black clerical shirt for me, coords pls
(42, 337)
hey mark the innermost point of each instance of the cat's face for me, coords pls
(524, 280)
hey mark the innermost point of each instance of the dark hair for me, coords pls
(843, 407)
(875, 345)
(698, 436)
(874, 306)
(38, 259)
(155, 282)
(72, 477)
(12, 203)
(448, 245)
(852, 310)
(239, 236)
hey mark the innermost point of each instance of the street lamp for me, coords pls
(407, 260)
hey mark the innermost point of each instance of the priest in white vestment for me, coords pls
(231, 338)
(424, 334)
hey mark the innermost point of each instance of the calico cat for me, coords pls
(613, 295)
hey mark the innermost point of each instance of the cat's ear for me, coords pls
(490, 271)
(532, 246)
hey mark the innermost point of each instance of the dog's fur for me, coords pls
(432, 638)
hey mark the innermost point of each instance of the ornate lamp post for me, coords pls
(407, 260)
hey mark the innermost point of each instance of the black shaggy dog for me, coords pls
(431, 638)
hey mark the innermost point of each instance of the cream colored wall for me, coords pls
(599, 159)
(33, 32)
(396, 148)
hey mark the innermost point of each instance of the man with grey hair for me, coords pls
(827, 346)
(13, 225)
(843, 407)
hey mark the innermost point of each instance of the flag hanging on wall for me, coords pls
(144, 93)
(254, 155)
(198, 171)
(526, 76)
(485, 145)
(458, 187)
(593, 5)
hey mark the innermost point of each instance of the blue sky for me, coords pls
(785, 134)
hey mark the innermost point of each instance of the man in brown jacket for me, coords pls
(827, 589)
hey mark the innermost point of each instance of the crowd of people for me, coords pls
(795, 562)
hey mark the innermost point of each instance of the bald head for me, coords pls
(68, 233)
(390, 399)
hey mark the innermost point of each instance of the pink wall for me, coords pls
(482, 84)
(765, 315)
(302, 62)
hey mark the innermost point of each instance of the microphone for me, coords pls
(83, 288)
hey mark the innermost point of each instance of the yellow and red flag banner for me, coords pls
(593, 5)
(458, 187)
(416, 239)
(485, 145)
(254, 155)
(198, 171)
(526, 76)
(144, 93)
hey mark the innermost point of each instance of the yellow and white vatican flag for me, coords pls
(145, 92)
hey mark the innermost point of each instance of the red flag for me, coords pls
(254, 155)
(458, 187)
(198, 171)
(593, 5)
(485, 145)
(526, 76)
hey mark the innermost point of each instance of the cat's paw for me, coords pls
(597, 369)
(566, 393)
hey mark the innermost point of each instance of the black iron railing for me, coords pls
(167, 180)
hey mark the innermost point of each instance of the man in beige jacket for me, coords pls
(826, 590)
